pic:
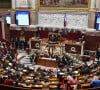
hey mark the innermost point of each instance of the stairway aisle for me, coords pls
(26, 61)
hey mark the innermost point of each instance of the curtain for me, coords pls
(0, 30)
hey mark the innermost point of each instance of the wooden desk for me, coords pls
(54, 79)
(47, 62)
(54, 82)
(7, 87)
(34, 43)
(85, 85)
(54, 49)
(78, 66)
(57, 35)
(73, 47)
(55, 86)
(37, 86)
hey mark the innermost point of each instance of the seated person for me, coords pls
(98, 53)
(64, 33)
(56, 31)
(52, 38)
(95, 83)
(73, 80)
(37, 34)
(81, 39)
(45, 84)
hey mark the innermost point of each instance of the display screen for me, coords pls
(8, 19)
(22, 18)
(98, 22)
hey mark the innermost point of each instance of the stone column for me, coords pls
(3, 27)
(92, 5)
(18, 2)
(91, 21)
(34, 4)
(13, 3)
(98, 4)
(12, 13)
(91, 16)
(33, 18)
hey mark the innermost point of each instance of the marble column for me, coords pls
(92, 5)
(91, 21)
(13, 3)
(34, 4)
(3, 27)
(33, 18)
(12, 13)
(91, 16)
(98, 4)
(18, 2)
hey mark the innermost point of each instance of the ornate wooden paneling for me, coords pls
(19, 33)
(92, 41)
(74, 48)
(5, 4)
(35, 44)
(48, 63)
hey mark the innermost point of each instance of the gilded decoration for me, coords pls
(64, 4)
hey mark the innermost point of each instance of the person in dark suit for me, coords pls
(65, 60)
(98, 53)
(8, 81)
(38, 34)
(52, 38)
(1, 80)
(57, 57)
(12, 42)
(81, 39)
(31, 58)
(95, 83)
(21, 44)
(64, 33)
(25, 45)
(17, 43)
(1, 56)
(61, 62)
(35, 58)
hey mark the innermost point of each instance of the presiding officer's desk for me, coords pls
(51, 48)
(45, 46)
